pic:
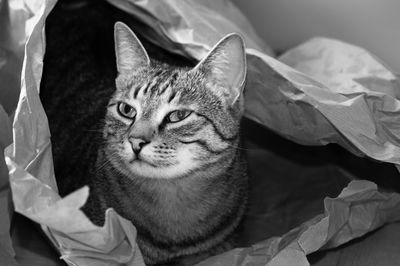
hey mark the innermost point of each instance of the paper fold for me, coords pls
(359, 209)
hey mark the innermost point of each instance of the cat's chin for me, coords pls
(147, 169)
(140, 163)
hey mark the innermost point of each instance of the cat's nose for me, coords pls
(137, 144)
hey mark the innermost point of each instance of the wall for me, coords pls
(372, 24)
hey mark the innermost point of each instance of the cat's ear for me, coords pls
(225, 65)
(129, 51)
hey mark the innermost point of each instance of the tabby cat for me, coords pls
(156, 142)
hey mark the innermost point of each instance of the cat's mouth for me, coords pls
(139, 160)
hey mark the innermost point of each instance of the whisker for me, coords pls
(97, 127)
(243, 149)
(106, 162)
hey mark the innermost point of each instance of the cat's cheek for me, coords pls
(186, 159)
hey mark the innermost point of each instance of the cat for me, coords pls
(158, 143)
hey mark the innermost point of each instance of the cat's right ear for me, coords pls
(226, 65)
(129, 51)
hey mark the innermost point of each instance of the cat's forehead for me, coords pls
(150, 85)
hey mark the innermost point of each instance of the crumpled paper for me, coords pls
(321, 92)
(191, 28)
(358, 209)
(6, 250)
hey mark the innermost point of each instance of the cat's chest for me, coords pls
(180, 209)
(182, 199)
(179, 206)
(171, 207)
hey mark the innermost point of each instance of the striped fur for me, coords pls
(186, 189)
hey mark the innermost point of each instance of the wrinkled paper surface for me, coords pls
(6, 250)
(323, 91)
(359, 209)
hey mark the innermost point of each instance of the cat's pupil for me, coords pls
(127, 109)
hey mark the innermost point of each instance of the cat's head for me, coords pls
(165, 122)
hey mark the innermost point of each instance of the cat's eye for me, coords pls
(177, 115)
(126, 110)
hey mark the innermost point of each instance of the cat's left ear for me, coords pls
(129, 51)
(225, 67)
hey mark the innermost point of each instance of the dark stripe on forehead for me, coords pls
(147, 88)
(172, 96)
(158, 73)
(154, 83)
(146, 85)
(159, 82)
(168, 83)
(128, 88)
(137, 89)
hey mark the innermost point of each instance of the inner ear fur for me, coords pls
(129, 51)
(225, 67)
